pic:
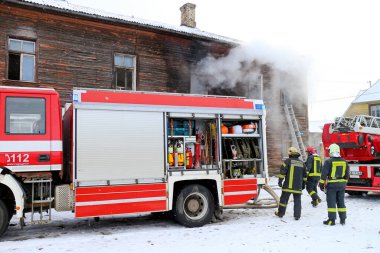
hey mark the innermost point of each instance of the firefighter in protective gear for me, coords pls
(335, 173)
(292, 179)
(314, 168)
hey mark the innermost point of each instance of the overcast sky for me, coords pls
(340, 37)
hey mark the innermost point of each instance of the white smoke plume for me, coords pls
(284, 73)
(242, 68)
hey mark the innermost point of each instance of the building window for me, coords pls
(21, 60)
(25, 115)
(374, 110)
(124, 72)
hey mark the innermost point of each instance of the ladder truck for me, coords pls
(359, 142)
(119, 152)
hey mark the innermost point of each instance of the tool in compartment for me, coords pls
(170, 153)
(189, 158)
(179, 152)
(197, 157)
(206, 147)
(249, 128)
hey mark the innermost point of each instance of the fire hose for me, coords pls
(260, 203)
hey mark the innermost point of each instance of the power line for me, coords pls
(331, 99)
(340, 98)
(339, 81)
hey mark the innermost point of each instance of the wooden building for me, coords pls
(60, 45)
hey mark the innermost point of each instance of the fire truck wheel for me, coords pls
(4, 221)
(194, 206)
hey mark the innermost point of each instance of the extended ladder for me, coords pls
(359, 123)
(294, 130)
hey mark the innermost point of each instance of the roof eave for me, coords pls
(119, 21)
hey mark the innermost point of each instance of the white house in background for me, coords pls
(367, 102)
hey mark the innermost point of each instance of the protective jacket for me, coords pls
(294, 172)
(336, 172)
(314, 166)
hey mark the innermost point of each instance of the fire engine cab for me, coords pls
(118, 152)
(359, 142)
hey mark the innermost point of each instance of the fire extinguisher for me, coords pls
(189, 158)
(180, 153)
(171, 154)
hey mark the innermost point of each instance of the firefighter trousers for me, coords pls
(284, 202)
(311, 188)
(335, 202)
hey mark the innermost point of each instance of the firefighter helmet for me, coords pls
(311, 150)
(334, 149)
(293, 151)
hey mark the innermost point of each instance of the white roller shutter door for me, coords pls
(117, 145)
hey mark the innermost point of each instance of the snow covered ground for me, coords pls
(241, 230)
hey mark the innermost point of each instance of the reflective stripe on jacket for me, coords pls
(294, 172)
(335, 170)
(314, 166)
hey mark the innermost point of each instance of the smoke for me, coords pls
(241, 71)
(248, 68)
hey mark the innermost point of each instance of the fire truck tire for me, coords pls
(4, 220)
(194, 206)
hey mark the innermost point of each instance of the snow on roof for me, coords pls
(64, 6)
(370, 95)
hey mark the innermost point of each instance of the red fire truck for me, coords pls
(117, 152)
(359, 141)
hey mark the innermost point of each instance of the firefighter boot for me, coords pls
(315, 201)
(343, 222)
(278, 214)
(329, 222)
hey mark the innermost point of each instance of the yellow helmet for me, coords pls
(334, 148)
(293, 151)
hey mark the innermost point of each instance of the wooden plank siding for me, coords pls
(357, 109)
(74, 51)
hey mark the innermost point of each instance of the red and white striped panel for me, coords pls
(239, 191)
(122, 199)
(23, 156)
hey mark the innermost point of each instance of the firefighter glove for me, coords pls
(280, 182)
(322, 187)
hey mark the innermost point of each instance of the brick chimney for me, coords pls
(188, 15)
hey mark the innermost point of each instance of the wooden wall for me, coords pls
(75, 52)
(278, 132)
(78, 52)
(357, 109)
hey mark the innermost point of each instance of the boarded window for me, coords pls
(21, 60)
(124, 72)
(25, 115)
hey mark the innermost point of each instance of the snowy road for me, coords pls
(240, 231)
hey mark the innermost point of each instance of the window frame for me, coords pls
(6, 120)
(116, 87)
(370, 109)
(22, 53)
